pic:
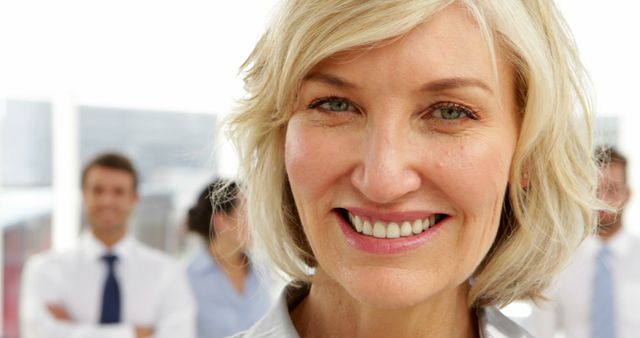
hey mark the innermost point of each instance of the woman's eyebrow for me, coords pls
(330, 79)
(432, 86)
(454, 83)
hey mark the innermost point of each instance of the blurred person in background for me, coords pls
(230, 295)
(598, 295)
(110, 285)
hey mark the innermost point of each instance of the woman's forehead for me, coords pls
(449, 45)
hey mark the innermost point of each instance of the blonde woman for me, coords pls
(413, 165)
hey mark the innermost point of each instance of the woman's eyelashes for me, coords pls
(333, 104)
(449, 111)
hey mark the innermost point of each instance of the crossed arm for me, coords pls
(42, 315)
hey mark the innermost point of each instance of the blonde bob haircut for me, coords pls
(549, 203)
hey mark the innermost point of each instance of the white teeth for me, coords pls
(367, 229)
(417, 226)
(358, 223)
(379, 231)
(426, 224)
(393, 230)
(405, 230)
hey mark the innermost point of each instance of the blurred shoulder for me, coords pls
(151, 256)
(50, 258)
(49, 266)
(633, 237)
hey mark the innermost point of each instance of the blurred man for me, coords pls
(110, 285)
(599, 292)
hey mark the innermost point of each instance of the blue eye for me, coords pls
(333, 104)
(452, 111)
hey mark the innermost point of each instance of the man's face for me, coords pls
(613, 190)
(109, 197)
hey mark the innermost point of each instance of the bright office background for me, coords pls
(154, 79)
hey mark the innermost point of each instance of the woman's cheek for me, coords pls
(303, 154)
(314, 155)
(475, 177)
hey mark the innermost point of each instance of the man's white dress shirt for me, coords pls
(569, 308)
(153, 287)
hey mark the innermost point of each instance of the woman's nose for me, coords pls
(387, 168)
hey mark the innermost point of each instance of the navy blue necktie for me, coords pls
(111, 295)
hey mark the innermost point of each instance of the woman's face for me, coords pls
(398, 159)
(232, 228)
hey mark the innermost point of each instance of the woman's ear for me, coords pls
(520, 170)
(218, 222)
(524, 180)
(524, 175)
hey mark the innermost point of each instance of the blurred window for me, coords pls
(171, 150)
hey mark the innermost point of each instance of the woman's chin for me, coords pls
(392, 290)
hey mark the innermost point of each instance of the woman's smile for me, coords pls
(378, 233)
(387, 226)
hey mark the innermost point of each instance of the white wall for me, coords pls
(167, 55)
(180, 55)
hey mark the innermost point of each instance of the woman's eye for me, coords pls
(451, 111)
(333, 104)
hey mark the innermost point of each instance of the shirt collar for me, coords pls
(95, 249)
(619, 243)
(491, 322)
(203, 262)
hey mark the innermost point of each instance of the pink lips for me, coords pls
(385, 246)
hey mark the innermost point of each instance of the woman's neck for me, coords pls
(329, 311)
(233, 262)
